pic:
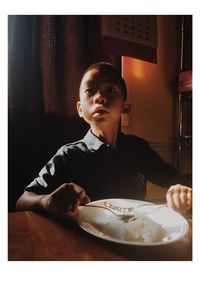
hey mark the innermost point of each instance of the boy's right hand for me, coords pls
(66, 198)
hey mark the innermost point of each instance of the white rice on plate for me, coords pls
(142, 229)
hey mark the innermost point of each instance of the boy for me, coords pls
(105, 163)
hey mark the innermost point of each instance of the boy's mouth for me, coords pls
(100, 110)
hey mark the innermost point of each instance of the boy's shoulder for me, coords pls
(73, 146)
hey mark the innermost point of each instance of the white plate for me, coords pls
(97, 221)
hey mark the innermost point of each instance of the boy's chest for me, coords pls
(109, 162)
(109, 173)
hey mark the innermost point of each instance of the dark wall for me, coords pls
(187, 43)
(33, 140)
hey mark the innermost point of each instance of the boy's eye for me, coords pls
(111, 90)
(88, 91)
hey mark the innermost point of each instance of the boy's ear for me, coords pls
(127, 107)
(79, 109)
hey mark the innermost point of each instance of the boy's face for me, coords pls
(101, 98)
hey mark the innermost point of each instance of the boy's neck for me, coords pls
(108, 135)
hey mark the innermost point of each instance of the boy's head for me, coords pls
(106, 68)
(102, 95)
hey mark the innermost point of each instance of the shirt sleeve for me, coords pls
(51, 176)
(155, 169)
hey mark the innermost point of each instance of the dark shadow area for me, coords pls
(32, 140)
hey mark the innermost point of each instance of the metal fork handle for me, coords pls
(129, 209)
(124, 217)
(101, 206)
(123, 210)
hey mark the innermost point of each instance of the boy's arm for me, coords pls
(32, 201)
(65, 198)
(179, 194)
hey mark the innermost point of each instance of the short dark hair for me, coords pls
(107, 67)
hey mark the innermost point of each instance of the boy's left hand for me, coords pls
(179, 197)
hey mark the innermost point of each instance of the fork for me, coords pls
(125, 216)
(130, 209)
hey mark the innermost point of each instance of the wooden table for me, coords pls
(32, 236)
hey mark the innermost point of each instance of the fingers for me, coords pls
(81, 196)
(67, 197)
(183, 199)
(80, 192)
(86, 199)
(179, 197)
(189, 198)
(58, 203)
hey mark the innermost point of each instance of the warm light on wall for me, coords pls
(133, 66)
(137, 68)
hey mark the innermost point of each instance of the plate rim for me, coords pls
(126, 242)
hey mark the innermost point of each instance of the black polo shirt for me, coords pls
(104, 172)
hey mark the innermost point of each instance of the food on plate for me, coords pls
(142, 229)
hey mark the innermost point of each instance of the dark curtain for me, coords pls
(47, 56)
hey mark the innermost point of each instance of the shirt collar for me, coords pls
(92, 141)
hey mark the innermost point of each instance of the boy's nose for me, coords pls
(99, 98)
